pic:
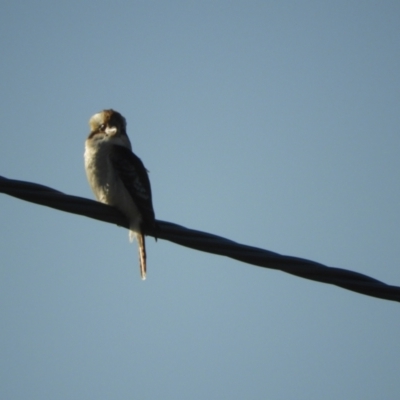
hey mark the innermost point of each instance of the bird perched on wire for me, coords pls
(118, 177)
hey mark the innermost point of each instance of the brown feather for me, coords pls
(142, 255)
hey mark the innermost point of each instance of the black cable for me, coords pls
(202, 241)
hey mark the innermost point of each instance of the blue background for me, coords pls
(274, 124)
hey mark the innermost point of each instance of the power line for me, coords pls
(203, 241)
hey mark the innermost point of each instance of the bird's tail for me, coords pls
(142, 255)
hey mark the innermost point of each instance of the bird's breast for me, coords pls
(99, 171)
(106, 184)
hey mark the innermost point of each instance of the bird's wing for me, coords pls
(134, 176)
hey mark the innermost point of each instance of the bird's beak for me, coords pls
(111, 131)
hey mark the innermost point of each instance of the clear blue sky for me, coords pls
(275, 124)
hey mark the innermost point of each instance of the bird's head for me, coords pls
(108, 125)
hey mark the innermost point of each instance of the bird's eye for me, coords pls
(102, 127)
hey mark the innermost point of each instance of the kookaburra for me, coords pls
(118, 177)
